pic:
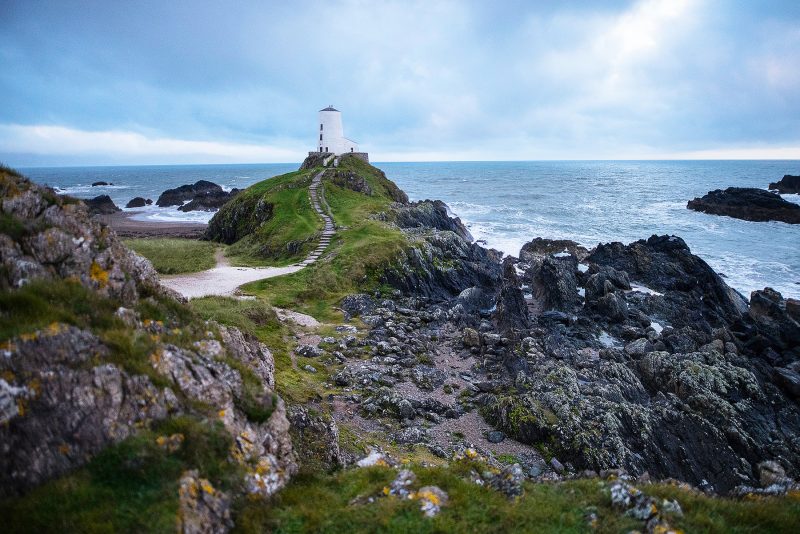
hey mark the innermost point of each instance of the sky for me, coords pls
(141, 82)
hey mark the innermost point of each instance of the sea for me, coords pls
(506, 204)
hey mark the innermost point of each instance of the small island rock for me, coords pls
(95, 184)
(179, 195)
(102, 205)
(747, 203)
(138, 202)
(787, 184)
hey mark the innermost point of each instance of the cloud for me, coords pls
(462, 79)
(133, 147)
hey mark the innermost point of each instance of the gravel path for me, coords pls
(225, 279)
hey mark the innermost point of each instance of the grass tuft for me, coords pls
(175, 256)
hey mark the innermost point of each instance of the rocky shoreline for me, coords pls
(630, 361)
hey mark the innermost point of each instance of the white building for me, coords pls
(331, 137)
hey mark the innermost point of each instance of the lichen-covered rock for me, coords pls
(315, 440)
(65, 410)
(56, 238)
(203, 509)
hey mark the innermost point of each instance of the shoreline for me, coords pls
(125, 226)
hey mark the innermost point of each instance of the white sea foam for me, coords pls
(169, 214)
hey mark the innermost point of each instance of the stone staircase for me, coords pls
(316, 192)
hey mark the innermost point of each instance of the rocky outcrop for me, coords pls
(786, 185)
(210, 201)
(102, 205)
(101, 183)
(440, 265)
(67, 391)
(747, 203)
(665, 379)
(57, 239)
(179, 195)
(315, 159)
(239, 219)
(430, 214)
(349, 180)
(138, 202)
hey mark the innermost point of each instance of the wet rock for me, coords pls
(179, 195)
(101, 205)
(431, 214)
(138, 202)
(96, 184)
(787, 185)
(747, 203)
(774, 319)
(511, 311)
(209, 200)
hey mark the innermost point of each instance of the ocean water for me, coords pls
(509, 203)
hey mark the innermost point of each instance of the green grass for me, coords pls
(288, 233)
(175, 256)
(321, 503)
(129, 487)
(42, 302)
(258, 319)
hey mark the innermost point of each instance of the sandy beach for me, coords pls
(125, 226)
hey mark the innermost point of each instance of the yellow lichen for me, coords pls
(63, 448)
(8, 376)
(20, 407)
(428, 496)
(98, 274)
(386, 490)
(207, 487)
(221, 414)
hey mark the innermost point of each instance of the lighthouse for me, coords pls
(331, 137)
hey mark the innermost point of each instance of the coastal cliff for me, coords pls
(566, 384)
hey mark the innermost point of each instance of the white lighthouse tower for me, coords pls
(331, 137)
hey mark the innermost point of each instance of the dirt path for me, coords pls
(225, 279)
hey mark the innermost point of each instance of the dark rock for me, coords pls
(239, 218)
(138, 202)
(747, 203)
(358, 304)
(495, 436)
(427, 377)
(539, 247)
(95, 184)
(315, 159)
(694, 295)
(787, 185)
(430, 214)
(511, 311)
(773, 319)
(102, 205)
(209, 201)
(179, 195)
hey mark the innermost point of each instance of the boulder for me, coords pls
(511, 311)
(786, 185)
(747, 203)
(138, 202)
(179, 195)
(96, 184)
(101, 205)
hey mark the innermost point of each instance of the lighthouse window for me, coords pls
(320, 127)
(320, 137)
